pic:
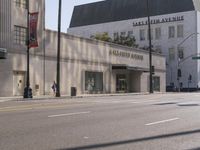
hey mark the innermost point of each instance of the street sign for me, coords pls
(3, 53)
(196, 57)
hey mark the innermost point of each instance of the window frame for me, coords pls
(180, 27)
(142, 34)
(180, 53)
(115, 35)
(171, 32)
(130, 33)
(21, 3)
(123, 34)
(89, 75)
(158, 33)
(171, 55)
(151, 34)
(20, 35)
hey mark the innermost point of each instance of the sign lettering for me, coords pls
(127, 55)
(158, 21)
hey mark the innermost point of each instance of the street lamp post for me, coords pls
(58, 53)
(27, 89)
(150, 51)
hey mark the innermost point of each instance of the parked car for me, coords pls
(3, 53)
(171, 88)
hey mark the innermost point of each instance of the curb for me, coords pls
(5, 99)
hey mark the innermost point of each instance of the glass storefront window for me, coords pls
(121, 83)
(156, 83)
(93, 81)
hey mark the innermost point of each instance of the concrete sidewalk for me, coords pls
(51, 97)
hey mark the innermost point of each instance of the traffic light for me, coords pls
(153, 69)
(190, 77)
(179, 73)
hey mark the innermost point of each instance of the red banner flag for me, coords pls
(33, 30)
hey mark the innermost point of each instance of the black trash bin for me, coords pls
(73, 91)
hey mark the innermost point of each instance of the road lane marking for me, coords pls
(163, 121)
(37, 107)
(11, 110)
(69, 114)
(30, 108)
(128, 101)
(140, 102)
(20, 106)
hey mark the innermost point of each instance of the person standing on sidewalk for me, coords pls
(54, 86)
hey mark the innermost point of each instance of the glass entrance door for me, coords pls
(121, 83)
(156, 83)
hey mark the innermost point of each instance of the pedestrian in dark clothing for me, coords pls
(54, 87)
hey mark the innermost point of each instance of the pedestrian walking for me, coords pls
(54, 86)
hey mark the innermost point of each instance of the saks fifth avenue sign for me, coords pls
(127, 55)
(158, 21)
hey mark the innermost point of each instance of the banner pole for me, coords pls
(28, 90)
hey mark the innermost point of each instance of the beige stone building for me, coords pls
(90, 66)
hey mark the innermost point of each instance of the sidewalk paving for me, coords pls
(51, 97)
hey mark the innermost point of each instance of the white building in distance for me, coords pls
(175, 28)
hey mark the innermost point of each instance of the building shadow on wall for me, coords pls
(132, 141)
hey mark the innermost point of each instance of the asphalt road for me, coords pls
(140, 122)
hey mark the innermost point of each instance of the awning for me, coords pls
(3, 53)
(127, 67)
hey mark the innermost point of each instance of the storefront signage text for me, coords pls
(127, 55)
(157, 21)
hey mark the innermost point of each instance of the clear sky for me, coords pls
(67, 9)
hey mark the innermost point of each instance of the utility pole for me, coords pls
(150, 51)
(58, 52)
(28, 90)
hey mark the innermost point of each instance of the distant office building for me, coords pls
(88, 65)
(175, 28)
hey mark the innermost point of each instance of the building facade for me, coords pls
(175, 28)
(98, 67)
(13, 32)
(88, 65)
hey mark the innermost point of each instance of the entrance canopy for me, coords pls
(128, 67)
(3, 53)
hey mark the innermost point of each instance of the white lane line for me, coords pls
(140, 102)
(69, 114)
(163, 121)
(127, 101)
